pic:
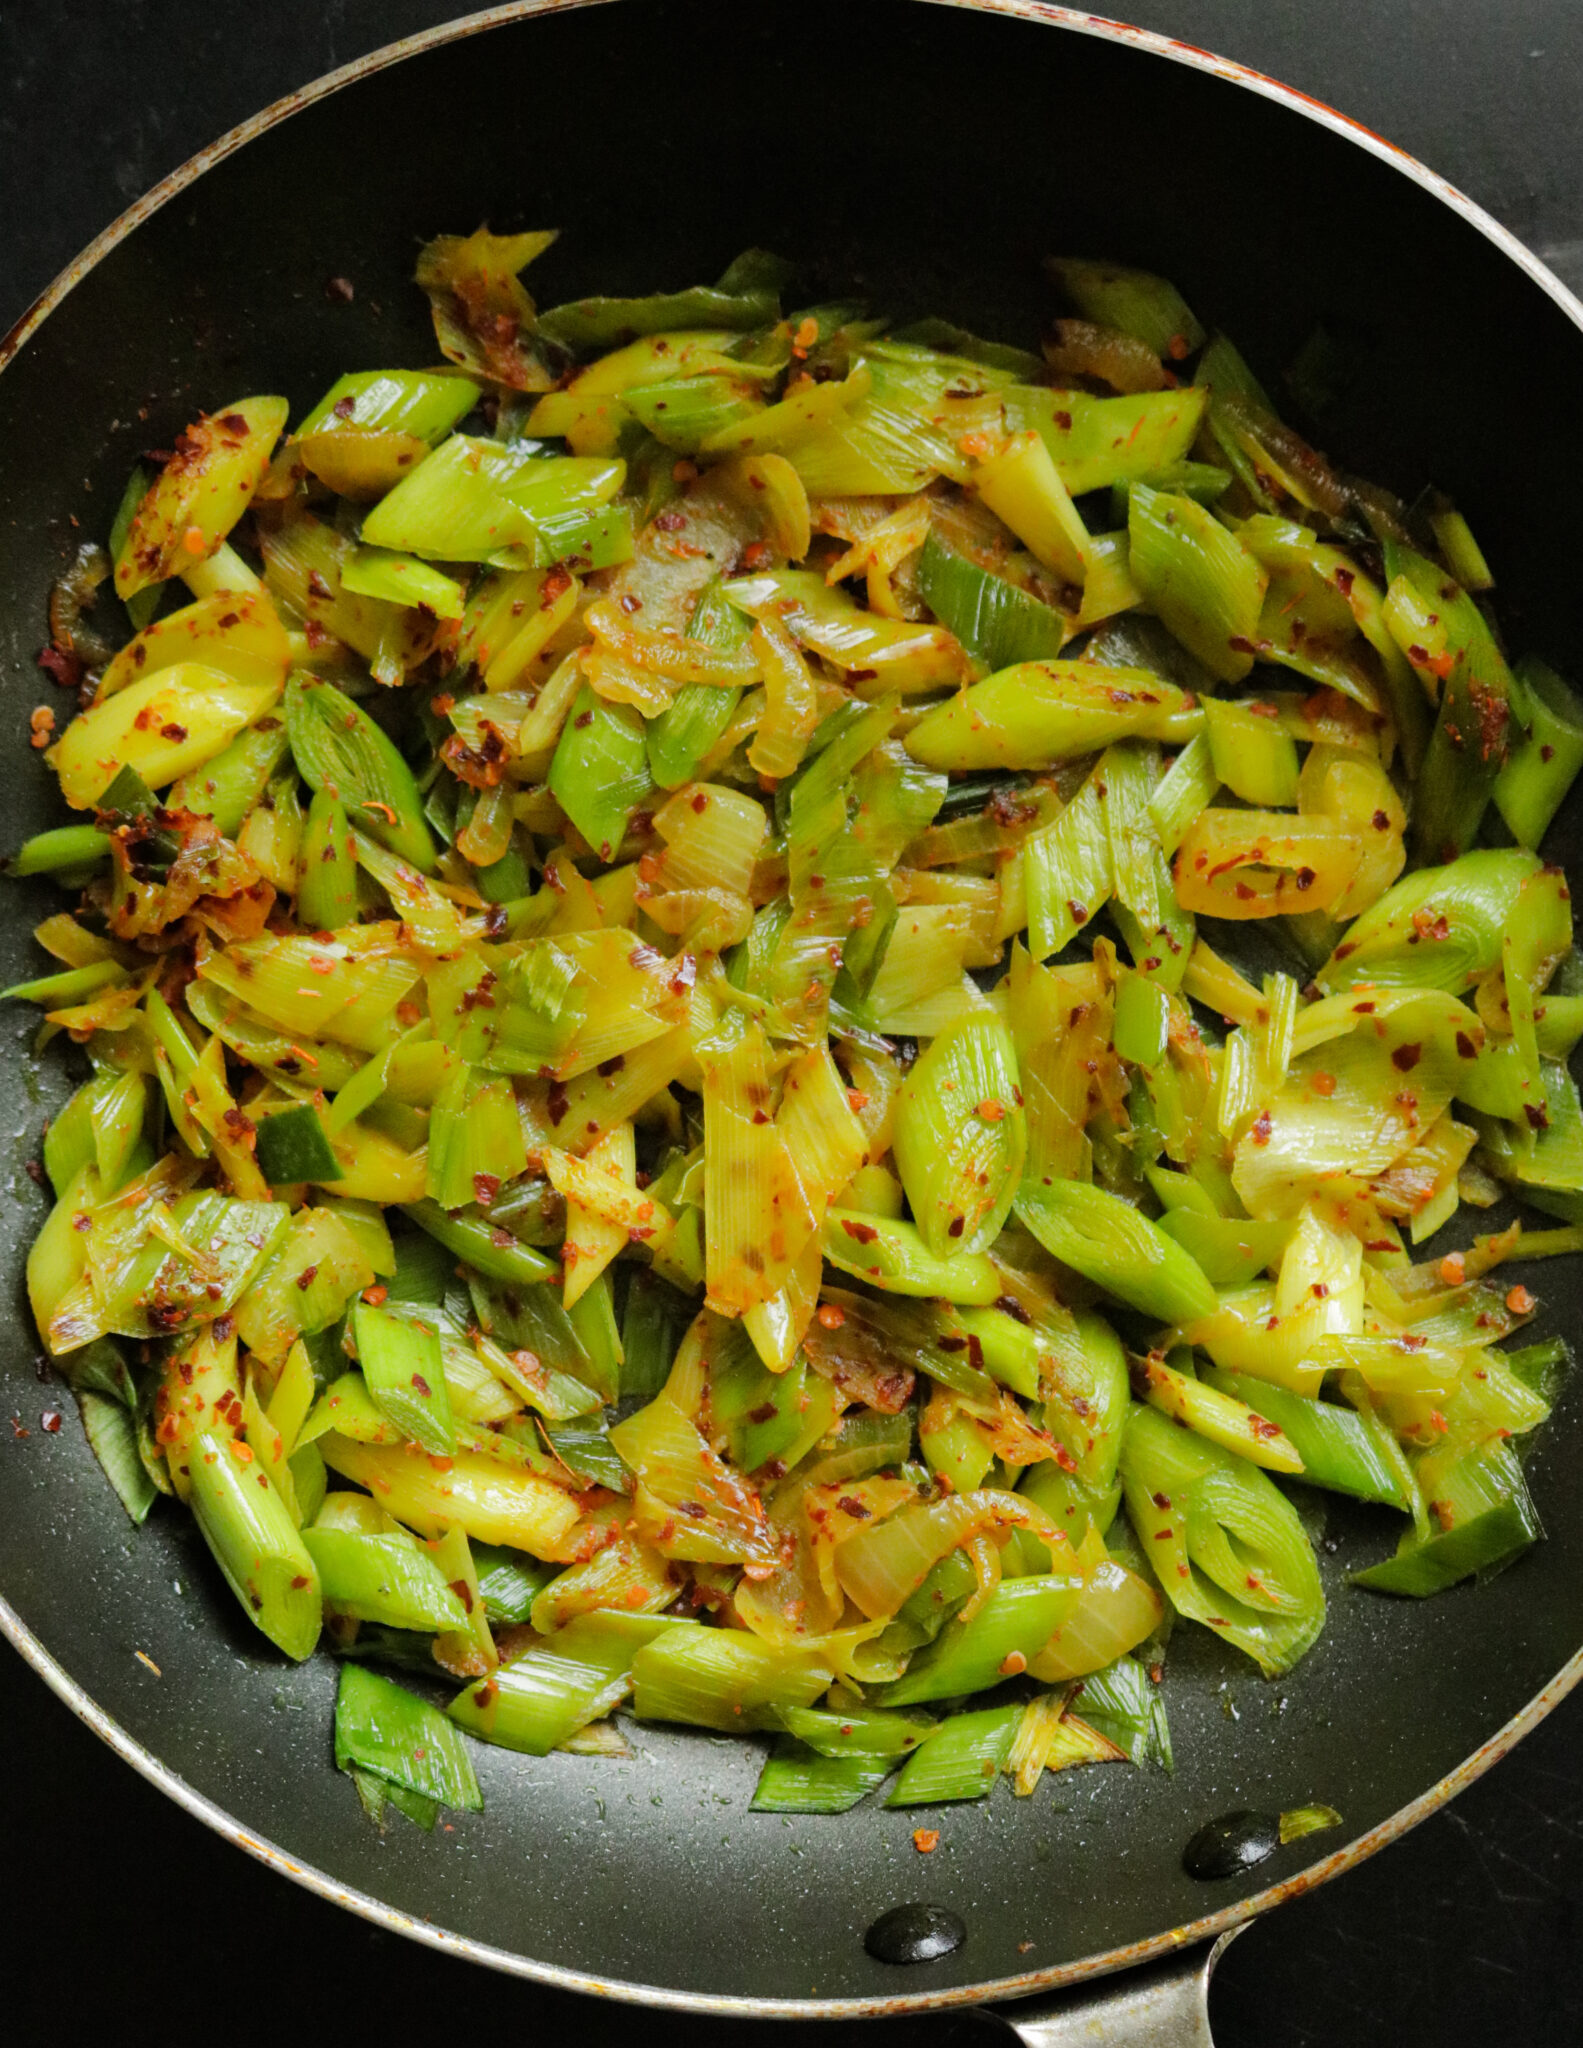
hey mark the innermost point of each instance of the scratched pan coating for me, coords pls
(931, 155)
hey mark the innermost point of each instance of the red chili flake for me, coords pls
(557, 582)
(865, 1233)
(1322, 1083)
(42, 724)
(991, 1110)
(1262, 1127)
(306, 1277)
(422, 1386)
(926, 1840)
(1406, 1057)
(50, 1420)
(485, 1188)
(240, 1128)
(1520, 1301)
(1537, 1119)
(956, 1226)
(60, 666)
(1241, 645)
(1013, 1664)
(555, 1101)
(376, 1294)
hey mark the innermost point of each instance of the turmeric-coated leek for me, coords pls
(661, 1130)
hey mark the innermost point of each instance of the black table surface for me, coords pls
(122, 1912)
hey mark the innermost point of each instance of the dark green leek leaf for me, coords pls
(748, 295)
(389, 1733)
(600, 773)
(796, 1779)
(112, 1433)
(292, 1147)
(336, 745)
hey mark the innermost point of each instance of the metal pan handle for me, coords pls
(1161, 2005)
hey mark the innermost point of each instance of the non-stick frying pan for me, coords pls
(931, 155)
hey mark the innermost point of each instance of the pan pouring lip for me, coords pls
(929, 1933)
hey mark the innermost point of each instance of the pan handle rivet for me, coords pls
(914, 1934)
(1232, 1844)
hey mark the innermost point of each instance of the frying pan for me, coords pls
(932, 156)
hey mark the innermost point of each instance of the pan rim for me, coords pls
(208, 1811)
(720, 2004)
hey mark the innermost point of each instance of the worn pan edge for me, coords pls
(275, 1858)
(312, 1879)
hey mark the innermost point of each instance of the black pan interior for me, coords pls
(930, 157)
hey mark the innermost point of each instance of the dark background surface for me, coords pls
(1472, 1929)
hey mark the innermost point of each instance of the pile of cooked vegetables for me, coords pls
(777, 1011)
